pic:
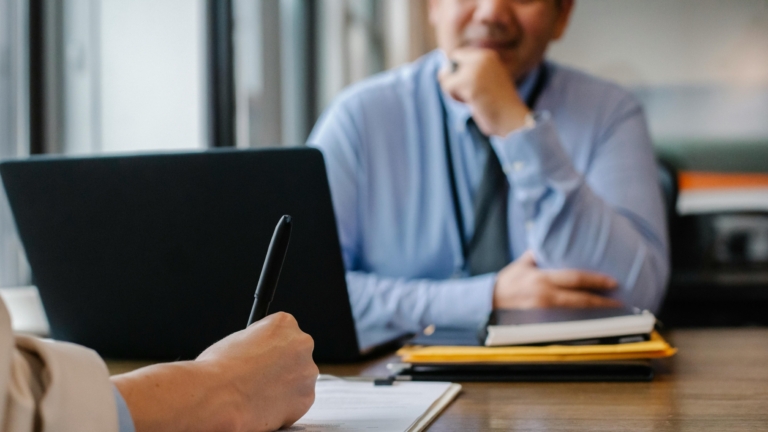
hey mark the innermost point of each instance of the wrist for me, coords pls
(496, 299)
(512, 119)
(223, 399)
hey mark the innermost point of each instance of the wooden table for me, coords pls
(717, 382)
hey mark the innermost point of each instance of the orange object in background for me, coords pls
(695, 180)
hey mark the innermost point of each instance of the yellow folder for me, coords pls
(656, 347)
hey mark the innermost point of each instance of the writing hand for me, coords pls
(258, 379)
(270, 366)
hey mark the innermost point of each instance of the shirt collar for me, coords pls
(460, 113)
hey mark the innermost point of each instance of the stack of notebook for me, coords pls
(540, 345)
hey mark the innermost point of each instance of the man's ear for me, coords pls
(563, 17)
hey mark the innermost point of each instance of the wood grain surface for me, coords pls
(717, 382)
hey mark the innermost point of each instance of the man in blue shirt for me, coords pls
(481, 176)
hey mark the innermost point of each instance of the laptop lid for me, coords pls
(157, 256)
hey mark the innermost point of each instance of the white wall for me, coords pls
(661, 42)
(152, 75)
(700, 66)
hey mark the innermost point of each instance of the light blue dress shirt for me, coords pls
(584, 193)
(124, 419)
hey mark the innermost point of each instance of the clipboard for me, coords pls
(355, 404)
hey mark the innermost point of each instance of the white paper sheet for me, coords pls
(342, 406)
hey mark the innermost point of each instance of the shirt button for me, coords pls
(518, 166)
(529, 225)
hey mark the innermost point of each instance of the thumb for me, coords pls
(527, 259)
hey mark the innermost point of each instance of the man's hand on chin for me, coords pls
(481, 80)
(522, 285)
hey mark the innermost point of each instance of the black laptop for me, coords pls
(157, 256)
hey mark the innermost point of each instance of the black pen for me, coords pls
(270, 273)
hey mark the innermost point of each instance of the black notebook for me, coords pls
(605, 371)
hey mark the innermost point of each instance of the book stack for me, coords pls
(714, 192)
(541, 345)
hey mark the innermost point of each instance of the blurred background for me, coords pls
(97, 76)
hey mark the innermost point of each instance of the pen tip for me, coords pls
(287, 218)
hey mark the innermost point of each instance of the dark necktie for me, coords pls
(488, 251)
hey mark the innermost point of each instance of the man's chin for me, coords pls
(511, 62)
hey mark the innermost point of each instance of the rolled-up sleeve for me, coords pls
(52, 386)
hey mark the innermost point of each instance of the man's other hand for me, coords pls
(258, 379)
(481, 81)
(522, 285)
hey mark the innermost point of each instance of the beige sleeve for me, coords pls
(52, 386)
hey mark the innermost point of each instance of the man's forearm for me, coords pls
(412, 305)
(182, 396)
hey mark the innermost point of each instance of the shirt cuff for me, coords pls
(124, 419)
(465, 302)
(534, 161)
